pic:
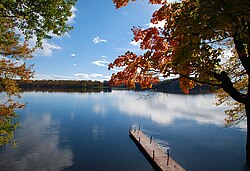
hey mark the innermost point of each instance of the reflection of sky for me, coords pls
(38, 149)
(98, 133)
(164, 109)
(59, 129)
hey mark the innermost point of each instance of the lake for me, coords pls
(89, 131)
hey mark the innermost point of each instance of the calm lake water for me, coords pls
(89, 131)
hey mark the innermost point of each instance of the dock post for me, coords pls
(150, 139)
(153, 154)
(139, 127)
(139, 139)
(168, 155)
(135, 129)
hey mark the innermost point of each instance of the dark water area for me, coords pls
(89, 131)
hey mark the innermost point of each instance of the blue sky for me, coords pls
(101, 33)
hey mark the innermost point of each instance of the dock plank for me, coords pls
(159, 158)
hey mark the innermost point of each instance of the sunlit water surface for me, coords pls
(89, 131)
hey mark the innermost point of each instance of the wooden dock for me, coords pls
(154, 153)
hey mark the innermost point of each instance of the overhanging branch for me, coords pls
(199, 81)
(228, 87)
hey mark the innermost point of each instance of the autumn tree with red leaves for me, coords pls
(202, 42)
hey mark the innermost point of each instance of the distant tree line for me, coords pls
(60, 85)
(167, 86)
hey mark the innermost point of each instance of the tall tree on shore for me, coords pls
(21, 21)
(202, 42)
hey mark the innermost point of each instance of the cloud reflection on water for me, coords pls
(38, 146)
(166, 108)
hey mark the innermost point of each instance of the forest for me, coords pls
(61, 85)
(167, 86)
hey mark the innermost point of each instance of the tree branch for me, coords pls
(12, 53)
(10, 16)
(199, 81)
(228, 87)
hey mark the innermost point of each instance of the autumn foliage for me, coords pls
(171, 50)
(12, 51)
(122, 3)
(191, 45)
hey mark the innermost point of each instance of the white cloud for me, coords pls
(74, 64)
(73, 55)
(47, 48)
(135, 49)
(78, 76)
(99, 77)
(160, 24)
(71, 18)
(134, 43)
(82, 76)
(117, 69)
(52, 77)
(97, 39)
(101, 63)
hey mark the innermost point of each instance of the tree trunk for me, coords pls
(247, 107)
(248, 135)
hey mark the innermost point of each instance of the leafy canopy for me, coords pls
(40, 18)
(202, 42)
(21, 21)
